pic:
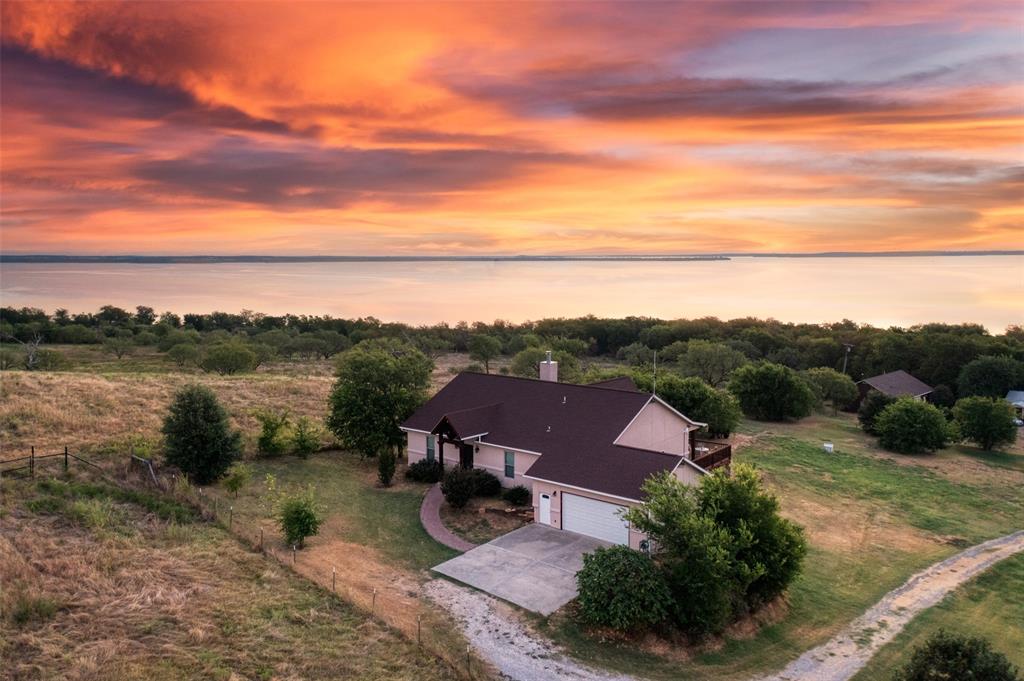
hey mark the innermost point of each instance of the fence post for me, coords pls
(334, 579)
(65, 458)
(418, 618)
(469, 671)
(373, 603)
(261, 539)
(32, 461)
(231, 517)
(293, 554)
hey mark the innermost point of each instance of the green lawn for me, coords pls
(872, 520)
(992, 606)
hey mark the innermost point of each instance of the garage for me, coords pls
(594, 518)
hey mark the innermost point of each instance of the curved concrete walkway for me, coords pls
(430, 516)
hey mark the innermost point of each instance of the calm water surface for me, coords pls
(881, 291)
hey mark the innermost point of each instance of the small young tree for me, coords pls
(380, 383)
(911, 426)
(832, 386)
(184, 354)
(711, 362)
(484, 348)
(238, 476)
(197, 436)
(771, 392)
(228, 358)
(987, 422)
(305, 437)
(299, 517)
(118, 346)
(272, 426)
(622, 589)
(870, 407)
(386, 462)
(955, 657)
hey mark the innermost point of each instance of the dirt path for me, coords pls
(520, 654)
(846, 654)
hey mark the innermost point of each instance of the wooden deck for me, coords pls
(710, 455)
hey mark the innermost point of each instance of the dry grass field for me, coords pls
(96, 586)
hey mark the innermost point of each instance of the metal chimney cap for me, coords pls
(549, 356)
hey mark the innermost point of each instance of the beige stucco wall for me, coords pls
(488, 457)
(556, 492)
(658, 428)
(687, 474)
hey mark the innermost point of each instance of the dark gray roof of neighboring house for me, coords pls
(619, 383)
(572, 426)
(897, 383)
(1015, 397)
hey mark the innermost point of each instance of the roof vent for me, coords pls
(549, 429)
(563, 399)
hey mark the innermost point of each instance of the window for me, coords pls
(510, 464)
(430, 448)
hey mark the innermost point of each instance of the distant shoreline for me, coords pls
(271, 259)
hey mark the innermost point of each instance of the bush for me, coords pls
(271, 440)
(721, 411)
(771, 392)
(951, 656)
(184, 354)
(458, 487)
(485, 483)
(238, 477)
(197, 436)
(386, 467)
(987, 422)
(870, 407)
(51, 360)
(11, 358)
(622, 589)
(832, 386)
(299, 517)
(229, 358)
(305, 437)
(517, 496)
(28, 609)
(425, 471)
(118, 346)
(911, 426)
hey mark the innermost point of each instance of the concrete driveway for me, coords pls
(534, 567)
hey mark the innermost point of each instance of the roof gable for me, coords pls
(897, 383)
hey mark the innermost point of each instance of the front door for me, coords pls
(545, 509)
(466, 456)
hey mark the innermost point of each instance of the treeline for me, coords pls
(934, 353)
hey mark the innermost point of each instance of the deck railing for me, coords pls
(710, 455)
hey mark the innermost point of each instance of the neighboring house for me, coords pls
(894, 384)
(584, 450)
(1016, 400)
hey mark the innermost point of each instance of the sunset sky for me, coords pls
(426, 128)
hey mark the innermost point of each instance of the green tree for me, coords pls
(911, 426)
(953, 657)
(118, 346)
(990, 377)
(870, 407)
(695, 399)
(386, 462)
(184, 354)
(771, 392)
(987, 422)
(229, 358)
(197, 436)
(527, 362)
(305, 437)
(484, 348)
(622, 589)
(380, 383)
(299, 517)
(832, 386)
(238, 476)
(271, 441)
(712, 362)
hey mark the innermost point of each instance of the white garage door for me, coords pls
(594, 518)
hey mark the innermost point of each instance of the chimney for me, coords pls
(549, 369)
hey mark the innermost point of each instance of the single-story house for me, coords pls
(894, 384)
(1016, 400)
(583, 450)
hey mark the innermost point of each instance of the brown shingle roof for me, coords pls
(898, 383)
(572, 426)
(620, 383)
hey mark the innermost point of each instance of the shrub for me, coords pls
(622, 589)
(832, 386)
(271, 440)
(197, 436)
(238, 477)
(11, 358)
(517, 496)
(425, 471)
(305, 437)
(458, 487)
(228, 358)
(386, 467)
(911, 426)
(51, 360)
(184, 354)
(28, 609)
(118, 346)
(771, 392)
(987, 422)
(485, 483)
(299, 517)
(951, 656)
(870, 407)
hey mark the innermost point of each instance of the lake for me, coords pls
(883, 291)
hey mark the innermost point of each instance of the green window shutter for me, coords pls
(510, 464)
(430, 448)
